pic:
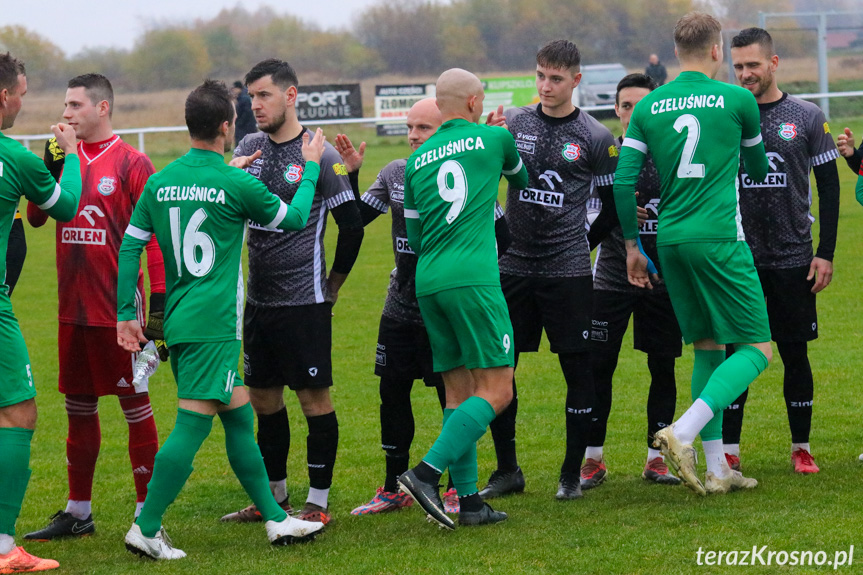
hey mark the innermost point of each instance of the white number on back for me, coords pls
(193, 240)
(455, 194)
(687, 169)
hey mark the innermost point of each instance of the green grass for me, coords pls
(626, 526)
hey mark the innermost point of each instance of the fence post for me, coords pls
(141, 142)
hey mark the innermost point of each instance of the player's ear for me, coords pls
(291, 95)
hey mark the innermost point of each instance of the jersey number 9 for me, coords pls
(456, 194)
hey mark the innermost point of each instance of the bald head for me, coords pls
(459, 94)
(423, 120)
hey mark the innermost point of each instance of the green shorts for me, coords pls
(16, 377)
(206, 370)
(715, 292)
(468, 327)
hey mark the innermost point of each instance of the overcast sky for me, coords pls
(118, 23)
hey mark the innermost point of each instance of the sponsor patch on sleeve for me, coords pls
(340, 169)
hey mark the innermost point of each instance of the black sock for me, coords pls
(580, 398)
(397, 427)
(732, 416)
(603, 366)
(427, 473)
(274, 440)
(798, 389)
(470, 503)
(503, 433)
(662, 397)
(321, 445)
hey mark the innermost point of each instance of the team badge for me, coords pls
(571, 152)
(107, 186)
(787, 131)
(294, 174)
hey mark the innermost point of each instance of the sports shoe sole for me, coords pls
(672, 458)
(292, 539)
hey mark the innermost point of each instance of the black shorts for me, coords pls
(655, 328)
(404, 353)
(289, 345)
(790, 304)
(562, 306)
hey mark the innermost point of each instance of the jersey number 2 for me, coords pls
(687, 169)
(455, 194)
(194, 243)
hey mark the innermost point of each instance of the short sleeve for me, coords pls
(333, 183)
(822, 148)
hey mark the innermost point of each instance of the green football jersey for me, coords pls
(451, 185)
(198, 207)
(695, 129)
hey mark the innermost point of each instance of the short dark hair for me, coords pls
(97, 87)
(696, 33)
(634, 81)
(282, 73)
(207, 107)
(751, 36)
(10, 69)
(559, 54)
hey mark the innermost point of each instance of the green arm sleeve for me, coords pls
(625, 179)
(298, 209)
(129, 260)
(516, 173)
(858, 191)
(64, 206)
(268, 210)
(412, 218)
(755, 161)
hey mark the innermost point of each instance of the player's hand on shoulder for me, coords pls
(66, 138)
(496, 118)
(845, 143)
(313, 148)
(244, 162)
(351, 156)
(130, 336)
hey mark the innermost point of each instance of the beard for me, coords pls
(275, 124)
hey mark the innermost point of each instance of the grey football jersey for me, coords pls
(289, 268)
(387, 194)
(609, 272)
(776, 213)
(564, 157)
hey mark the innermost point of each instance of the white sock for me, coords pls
(7, 543)
(653, 454)
(715, 456)
(796, 446)
(732, 449)
(279, 489)
(318, 497)
(79, 509)
(138, 507)
(693, 421)
(593, 452)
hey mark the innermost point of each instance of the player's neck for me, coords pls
(707, 67)
(561, 111)
(217, 145)
(100, 134)
(288, 131)
(774, 94)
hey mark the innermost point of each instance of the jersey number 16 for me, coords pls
(194, 243)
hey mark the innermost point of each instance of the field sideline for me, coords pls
(625, 526)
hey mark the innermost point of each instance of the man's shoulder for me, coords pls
(394, 168)
(252, 142)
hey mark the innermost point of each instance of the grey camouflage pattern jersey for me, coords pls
(609, 272)
(776, 213)
(289, 268)
(387, 194)
(565, 158)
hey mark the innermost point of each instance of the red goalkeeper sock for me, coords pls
(82, 444)
(143, 440)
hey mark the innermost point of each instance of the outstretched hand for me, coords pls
(352, 157)
(244, 162)
(313, 148)
(845, 143)
(496, 117)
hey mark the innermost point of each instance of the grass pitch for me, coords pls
(624, 526)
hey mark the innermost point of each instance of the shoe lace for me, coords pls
(658, 465)
(590, 467)
(805, 457)
(57, 516)
(163, 535)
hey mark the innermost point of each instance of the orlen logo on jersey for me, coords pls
(106, 186)
(541, 197)
(774, 179)
(293, 174)
(652, 207)
(402, 246)
(571, 152)
(787, 131)
(95, 237)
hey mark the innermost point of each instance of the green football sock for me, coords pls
(245, 458)
(462, 430)
(464, 472)
(705, 363)
(173, 467)
(733, 377)
(15, 447)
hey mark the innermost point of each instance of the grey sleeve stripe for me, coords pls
(52, 200)
(636, 144)
(412, 214)
(824, 158)
(138, 233)
(749, 142)
(340, 199)
(374, 202)
(606, 180)
(515, 170)
(280, 215)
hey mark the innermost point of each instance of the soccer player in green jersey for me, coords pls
(695, 128)
(198, 208)
(451, 185)
(22, 174)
